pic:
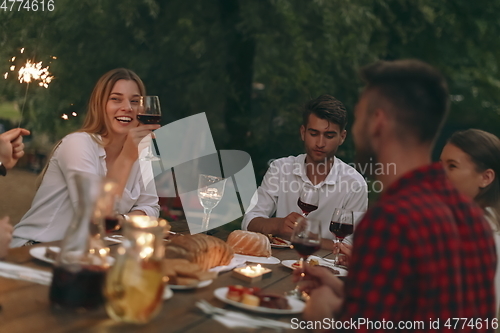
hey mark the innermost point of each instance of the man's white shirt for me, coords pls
(278, 194)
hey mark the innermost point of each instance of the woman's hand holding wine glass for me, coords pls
(149, 114)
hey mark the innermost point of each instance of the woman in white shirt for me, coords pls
(471, 160)
(106, 145)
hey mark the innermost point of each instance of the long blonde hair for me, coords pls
(95, 120)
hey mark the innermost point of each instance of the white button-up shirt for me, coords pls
(54, 205)
(278, 194)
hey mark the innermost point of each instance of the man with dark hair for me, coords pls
(338, 184)
(423, 254)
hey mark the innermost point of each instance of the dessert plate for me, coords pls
(296, 306)
(258, 260)
(38, 252)
(167, 293)
(200, 284)
(322, 262)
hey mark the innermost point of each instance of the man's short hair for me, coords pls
(326, 107)
(416, 92)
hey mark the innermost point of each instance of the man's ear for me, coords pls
(343, 135)
(302, 132)
(487, 177)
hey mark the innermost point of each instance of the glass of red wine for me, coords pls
(149, 113)
(342, 225)
(306, 240)
(308, 199)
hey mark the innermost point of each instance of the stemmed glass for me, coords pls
(306, 240)
(308, 199)
(342, 225)
(149, 113)
(210, 192)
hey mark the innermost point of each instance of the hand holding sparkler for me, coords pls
(11, 146)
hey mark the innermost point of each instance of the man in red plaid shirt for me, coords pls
(423, 256)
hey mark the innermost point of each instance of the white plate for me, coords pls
(296, 305)
(39, 253)
(200, 284)
(342, 272)
(258, 260)
(282, 246)
(167, 293)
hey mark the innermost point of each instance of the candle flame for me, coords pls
(74, 114)
(5, 75)
(64, 116)
(35, 71)
(12, 67)
(22, 50)
(13, 58)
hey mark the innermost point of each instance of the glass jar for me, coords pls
(134, 286)
(80, 269)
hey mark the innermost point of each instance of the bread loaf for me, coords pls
(206, 251)
(249, 243)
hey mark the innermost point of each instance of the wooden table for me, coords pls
(26, 307)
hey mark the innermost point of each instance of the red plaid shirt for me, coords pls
(424, 252)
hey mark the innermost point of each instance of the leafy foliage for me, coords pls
(250, 65)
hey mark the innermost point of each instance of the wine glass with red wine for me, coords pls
(306, 240)
(342, 225)
(149, 113)
(308, 199)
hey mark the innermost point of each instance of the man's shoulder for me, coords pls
(348, 173)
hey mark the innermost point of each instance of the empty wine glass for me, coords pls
(308, 199)
(149, 113)
(210, 192)
(306, 240)
(342, 225)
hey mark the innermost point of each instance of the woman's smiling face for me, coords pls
(122, 107)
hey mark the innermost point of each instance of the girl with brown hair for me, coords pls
(106, 145)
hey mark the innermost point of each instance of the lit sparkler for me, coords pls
(31, 71)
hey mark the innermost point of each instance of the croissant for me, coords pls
(204, 250)
(249, 243)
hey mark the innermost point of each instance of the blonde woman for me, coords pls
(471, 160)
(106, 145)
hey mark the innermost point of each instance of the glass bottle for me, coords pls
(134, 286)
(80, 269)
(105, 212)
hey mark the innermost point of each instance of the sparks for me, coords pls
(13, 58)
(22, 50)
(12, 67)
(74, 114)
(5, 75)
(64, 116)
(32, 71)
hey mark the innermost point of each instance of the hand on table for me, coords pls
(345, 249)
(287, 224)
(5, 236)
(11, 146)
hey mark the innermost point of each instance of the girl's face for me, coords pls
(122, 107)
(461, 170)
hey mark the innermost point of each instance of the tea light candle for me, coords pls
(252, 273)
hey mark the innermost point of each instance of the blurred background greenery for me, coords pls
(248, 64)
